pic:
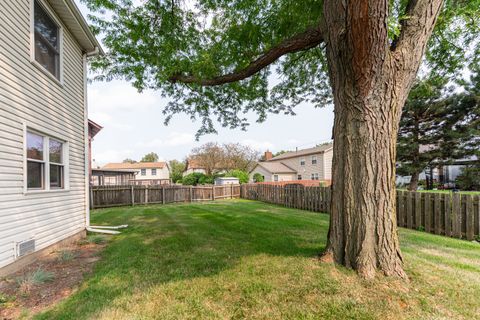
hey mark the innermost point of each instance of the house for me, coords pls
(93, 130)
(44, 151)
(193, 166)
(444, 175)
(307, 164)
(112, 177)
(146, 173)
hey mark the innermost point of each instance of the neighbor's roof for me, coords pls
(73, 19)
(276, 167)
(304, 152)
(136, 165)
(93, 128)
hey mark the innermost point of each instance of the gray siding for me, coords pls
(28, 96)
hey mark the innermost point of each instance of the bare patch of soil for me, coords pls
(23, 294)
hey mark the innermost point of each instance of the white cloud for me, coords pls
(111, 155)
(173, 139)
(118, 96)
(258, 145)
(107, 121)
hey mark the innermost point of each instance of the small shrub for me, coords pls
(41, 276)
(37, 277)
(421, 228)
(96, 239)
(257, 177)
(4, 298)
(66, 255)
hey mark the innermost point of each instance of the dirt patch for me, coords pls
(45, 282)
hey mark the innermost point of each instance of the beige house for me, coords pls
(44, 165)
(307, 164)
(146, 173)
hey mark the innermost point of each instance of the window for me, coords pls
(45, 162)
(56, 163)
(314, 159)
(314, 176)
(299, 177)
(302, 161)
(46, 40)
(154, 172)
(275, 177)
(143, 172)
(35, 161)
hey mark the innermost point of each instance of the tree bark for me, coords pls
(413, 185)
(370, 82)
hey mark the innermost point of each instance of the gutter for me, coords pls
(83, 23)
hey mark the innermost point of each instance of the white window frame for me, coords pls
(299, 177)
(275, 177)
(55, 19)
(143, 172)
(302, 162)
(314, 176)
(152, 172)
(314, 158)
(46, 161)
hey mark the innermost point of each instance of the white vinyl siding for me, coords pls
(30, 98)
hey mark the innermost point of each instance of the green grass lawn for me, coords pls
(249, 260)
(444, 191)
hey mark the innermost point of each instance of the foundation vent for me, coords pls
(25, 247)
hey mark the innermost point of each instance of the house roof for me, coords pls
(304, 152)
(136, 165)
(73, 19)
(93, 128)
(113, 171)
(276, 167)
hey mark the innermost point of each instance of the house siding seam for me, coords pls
(28, 96)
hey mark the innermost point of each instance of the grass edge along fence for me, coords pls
(116, 196)
(450, 214)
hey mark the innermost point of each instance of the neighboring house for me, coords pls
(194, 166)
(93, 130)
(307, 164)
(445, 175)
(43, 127)
(105, 177)
(146, 173)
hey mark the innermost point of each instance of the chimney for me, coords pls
(268, 155)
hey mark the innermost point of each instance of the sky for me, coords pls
(133, 126)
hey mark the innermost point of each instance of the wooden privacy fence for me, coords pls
(450, 214)
(112, 196)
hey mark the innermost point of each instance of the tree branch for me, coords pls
(311, 38)
(418, 25)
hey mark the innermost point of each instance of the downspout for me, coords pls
(87, 152)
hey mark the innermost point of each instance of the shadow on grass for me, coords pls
(177, 242)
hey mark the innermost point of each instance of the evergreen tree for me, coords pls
(437, 127)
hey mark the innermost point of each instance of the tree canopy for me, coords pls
(150, 157)
(214, 58)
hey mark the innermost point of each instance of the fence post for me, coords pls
(191, 193)
(213, 193)
(163, 195)
(146, 194)
(92, 205)
(133, 196)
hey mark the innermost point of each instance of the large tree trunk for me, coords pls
(370, 83)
